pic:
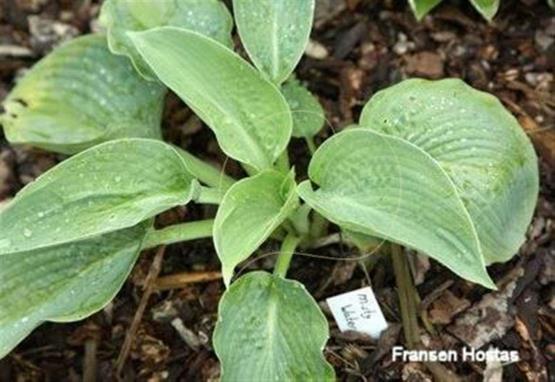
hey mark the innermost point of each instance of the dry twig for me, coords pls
(180, 280)
(148, 289)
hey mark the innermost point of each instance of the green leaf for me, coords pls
(384, 186)
(274, 33)
(478, 143)
(271, 329)
(308, 114)
(250, 211)
(81, 95)
(248, 114)
(420, 8)
(106, 188)
(63, 283)
(487, 8)
(208, 17)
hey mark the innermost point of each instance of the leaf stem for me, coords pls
(406, 292)
(286, 253)
(251, 171)
(319, 226)
(209, 195)
(179, 232)
(300, 221)
(282, 162)
(408, 303)
(205, 172)
(311, 145)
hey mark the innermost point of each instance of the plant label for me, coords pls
(358, 311)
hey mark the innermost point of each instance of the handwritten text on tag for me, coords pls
(358, 311)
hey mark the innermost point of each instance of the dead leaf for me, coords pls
(489, 319)
(425, 64)
(446, 307)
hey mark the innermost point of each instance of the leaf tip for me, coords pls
(482, 278)
(488, 283)
(419, 15)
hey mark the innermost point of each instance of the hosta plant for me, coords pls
(487, 8)
(435, 166)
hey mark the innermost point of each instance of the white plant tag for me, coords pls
(358, 311)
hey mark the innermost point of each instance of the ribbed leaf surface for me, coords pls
(477, 143)
(81, 95)
(278, 328)
(248, 114)
(63, 283)
(208, 17)
(384, 186)
(250, 211)
(274, 33)
(109, 187)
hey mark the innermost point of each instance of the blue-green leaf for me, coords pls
(81, 95)
(275, 33)
(308, 114)
(208, 17)
(109, 187)
(271, 329)
(487, 8)
(386, 187)
(250, 211)
(63, 283)
(420, 8)
(479, 145)
(248, 114)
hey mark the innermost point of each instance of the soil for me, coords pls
(357, 47)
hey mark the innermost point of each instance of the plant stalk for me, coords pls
(311, 145)
(205, 172)
(286, 253)
(179, 232)
(406, 292)
(319, 226)
(209, 195)
(282, 162)
(408, 301)
(250, 170)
